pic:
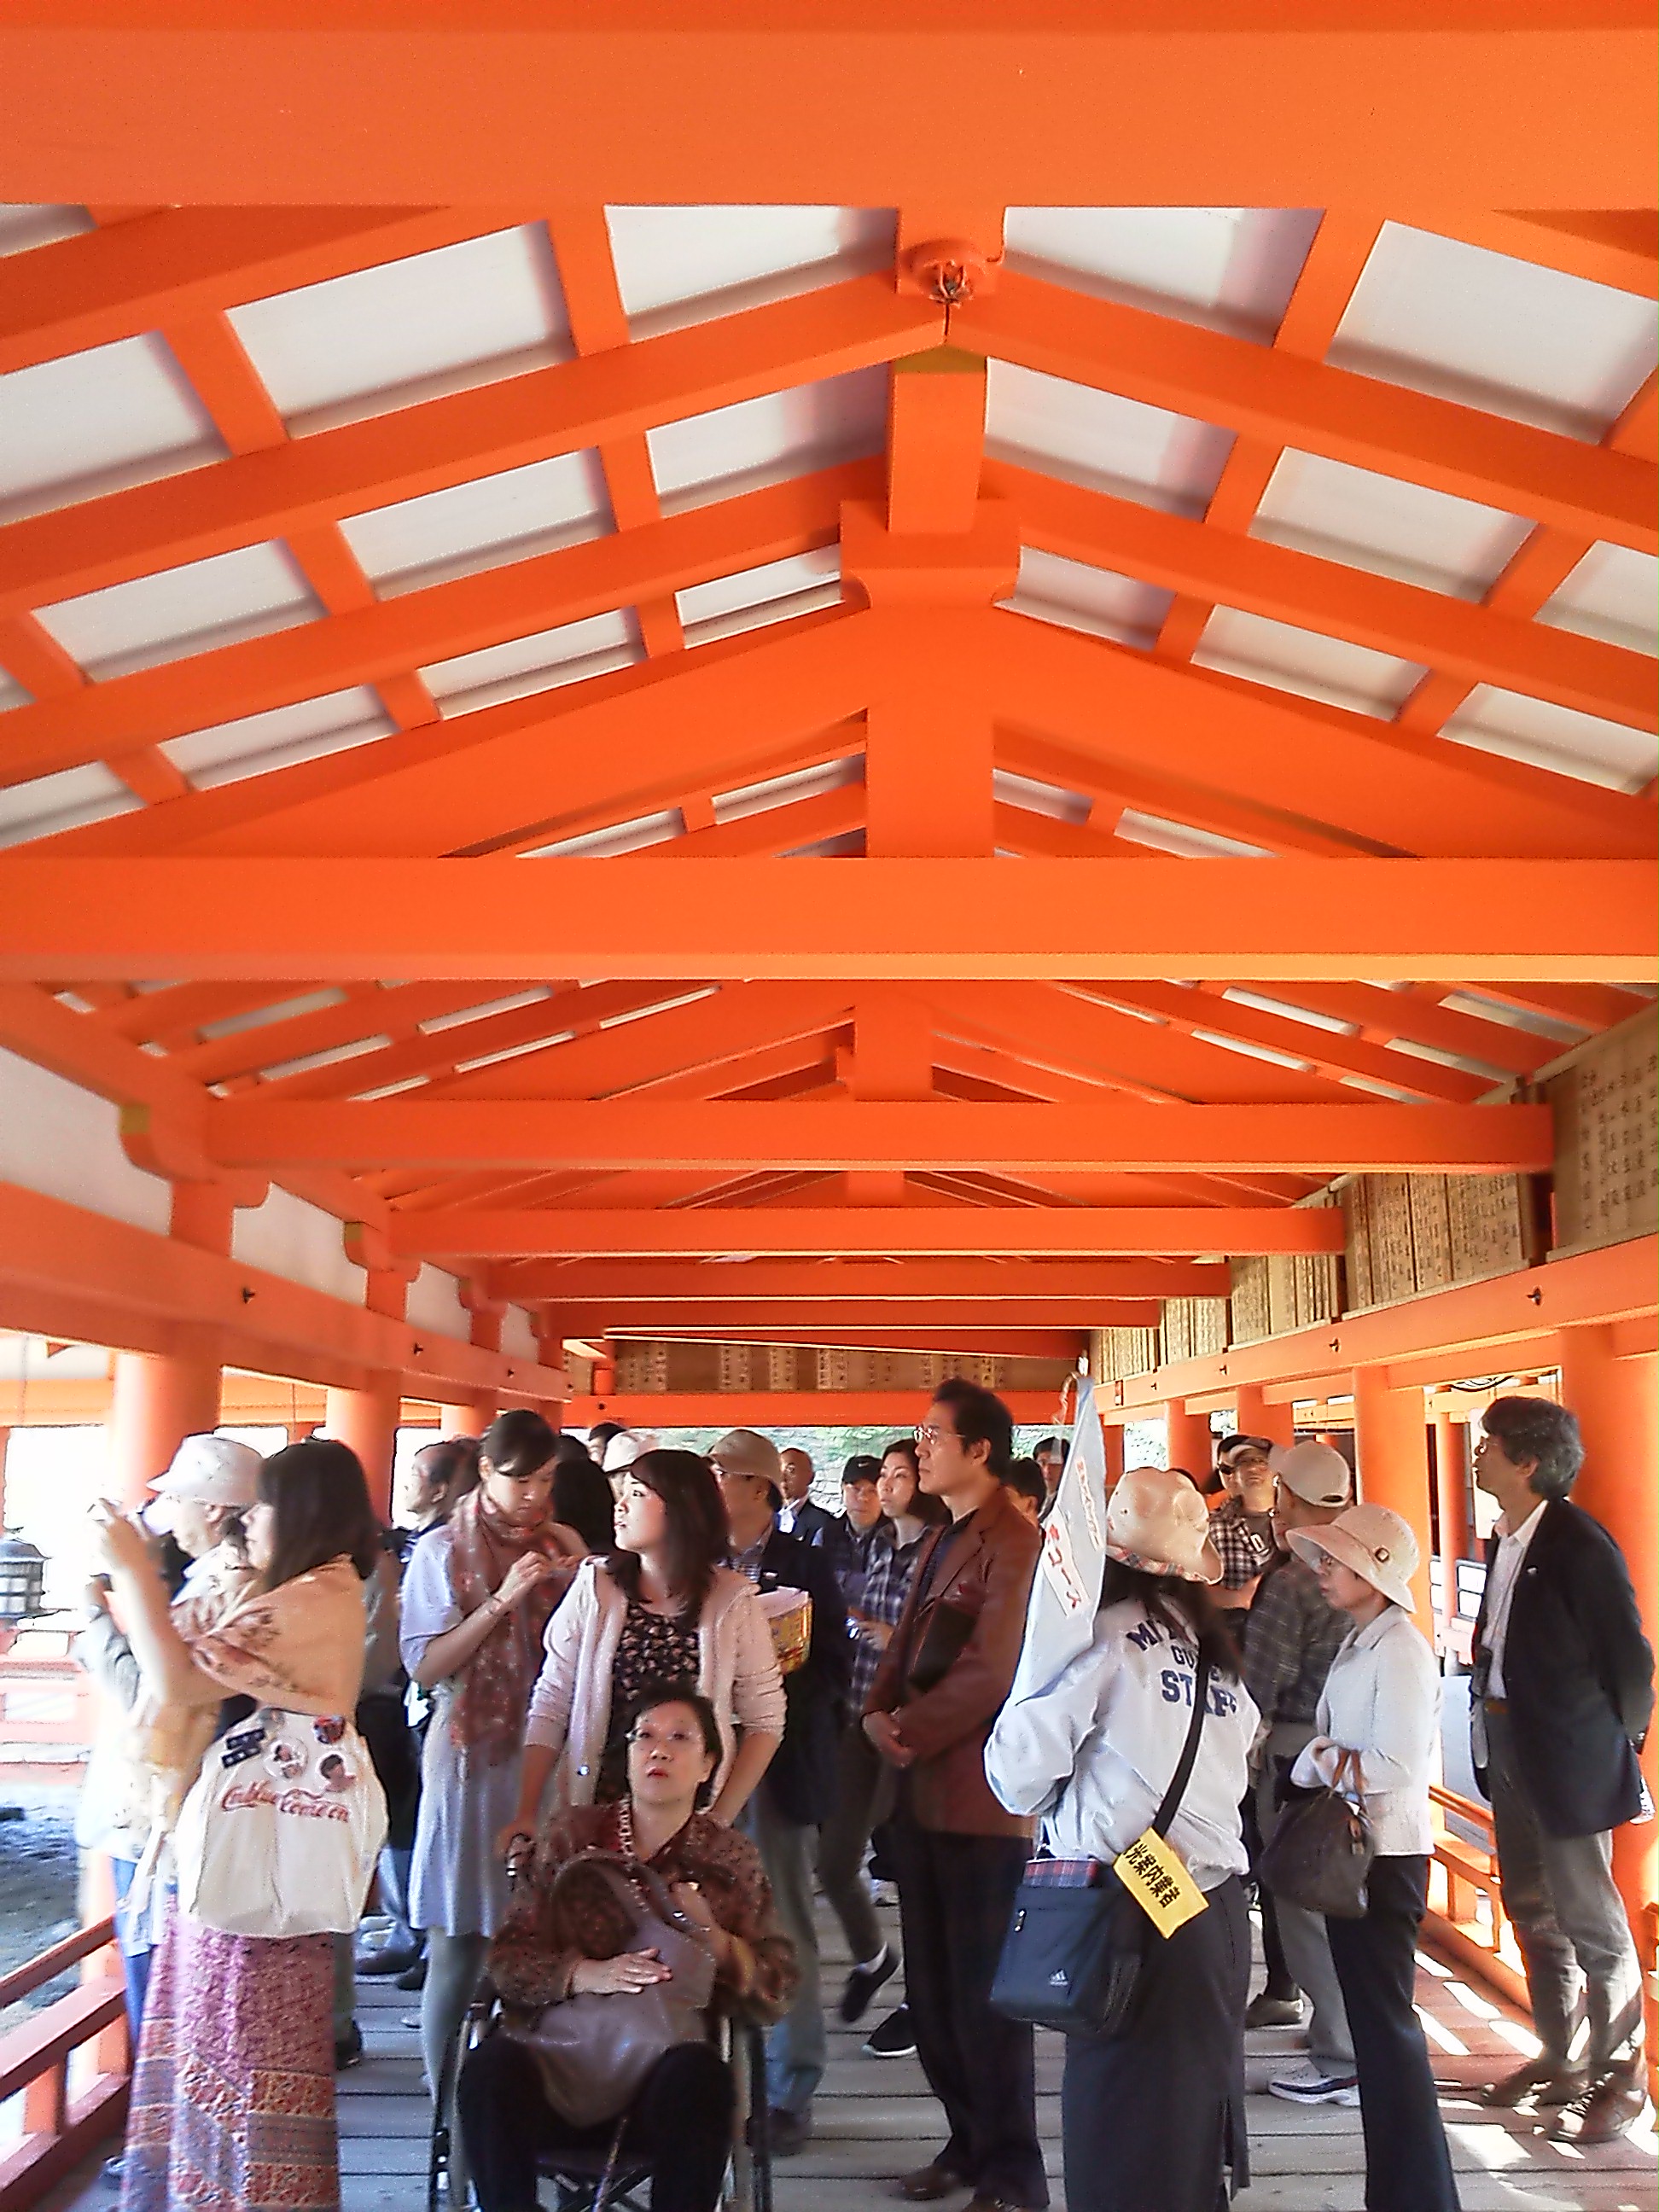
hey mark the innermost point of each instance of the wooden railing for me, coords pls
(68, 2062)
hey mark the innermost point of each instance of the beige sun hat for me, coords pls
(1376, 1541)
(1317, 1473)
(745, 1451)
(1156, 1521)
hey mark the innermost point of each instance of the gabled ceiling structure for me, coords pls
(1155, 706)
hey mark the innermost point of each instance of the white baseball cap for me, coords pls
(624, 1448)
(1376, 1541)
(213, 1471)
(1317, 1474)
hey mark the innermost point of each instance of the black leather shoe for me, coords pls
(348, 2048)
(863, 1983)
(928, 2183)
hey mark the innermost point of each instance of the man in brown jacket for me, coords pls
(958, 1854)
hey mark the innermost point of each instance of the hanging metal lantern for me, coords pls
(22, 1579)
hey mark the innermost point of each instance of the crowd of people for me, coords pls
(644, 1706)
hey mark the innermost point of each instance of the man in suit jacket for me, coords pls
(959, 1854)
(798, 1516)
(1561, 1697)
(798, 1788)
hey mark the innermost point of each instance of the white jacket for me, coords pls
(1382, 1699)
(570, 1704)
(1094, 1751)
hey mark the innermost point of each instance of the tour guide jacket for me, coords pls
(1578, 1674)
(971, 1615)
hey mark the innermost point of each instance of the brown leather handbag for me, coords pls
(594, 2052)
(1320, 1853)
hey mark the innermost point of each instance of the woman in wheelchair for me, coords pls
(552, 1949)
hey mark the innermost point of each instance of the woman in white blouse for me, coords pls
(1382, 1702)
(1155, 2117)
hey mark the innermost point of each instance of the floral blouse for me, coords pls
(540, 1946)
(654, 1648)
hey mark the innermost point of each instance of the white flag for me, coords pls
(1060, 1621)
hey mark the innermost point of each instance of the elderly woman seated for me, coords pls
(553, 1948)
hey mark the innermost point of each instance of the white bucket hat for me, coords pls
(205, 1470)
(1156, 1521)
(1376, 1541)
(1317, 1473)
(624, 1448)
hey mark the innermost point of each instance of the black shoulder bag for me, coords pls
(1072, 1957)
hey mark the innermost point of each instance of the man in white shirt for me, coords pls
(1561, 1697)
(798, 1516)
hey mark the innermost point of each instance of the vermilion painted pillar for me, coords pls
(462, 1420)
(367, 1421)
(1254, 1417)
(5, 1445)
(1112, 1435)
(1189, 1441)
(1451, 1493)
(1391, 1440)
(159, 1399)
(1617, 1403)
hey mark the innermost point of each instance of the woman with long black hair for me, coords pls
(1155, 2117)
(662, 1607)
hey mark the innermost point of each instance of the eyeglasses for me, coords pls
(673, 1739)
(929, 1432)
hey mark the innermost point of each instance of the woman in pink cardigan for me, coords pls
(663, 1608)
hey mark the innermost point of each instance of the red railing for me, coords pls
(1466, 1918)
(68, 2062)
(47, 1706)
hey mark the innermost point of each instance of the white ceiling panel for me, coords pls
(23, 227)
(460, 315)
(1584, 746)
(279, 738)
(483, 524)
(782, 435)
(1385, 525)
(758, 587)
(12, 693)
(605, 844)
(1328, 669)
(1496, 333)
(1231, 268)
(678, 265)
(1050, 799)
(1183, 840)
(1102, 441)
(66, 801)
(528, 665)
(784, 790)
(177, 611)
(95, 421)
(1613, 595)
(1054, 589)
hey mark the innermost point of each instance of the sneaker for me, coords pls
(863, 1983)
(1308, 2084)
(384, 1958)
(894, 2038)
(1270, 2010)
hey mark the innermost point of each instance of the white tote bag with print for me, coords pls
(280, 1832)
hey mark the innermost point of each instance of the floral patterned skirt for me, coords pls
(233, 2094)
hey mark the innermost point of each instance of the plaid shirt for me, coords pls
(1291, 1641)
(885, 1587)
(1245, 1541)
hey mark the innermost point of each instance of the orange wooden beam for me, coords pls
(1318, 408)
(761, 1323)
(660, 1412)
(1550, 920)
(438, 442)
(389, 637)
(122, 280)
(956, 1280)
(1308, 763)
(1472, 641)
(617, 1133)
(916, 1231)
(1523, 104)
(1067, 1344)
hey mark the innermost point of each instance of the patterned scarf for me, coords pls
(489, 1708)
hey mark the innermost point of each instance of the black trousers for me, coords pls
(1156, 2118)
(1408, 2165)
(956, 1893)
(681, 2123)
